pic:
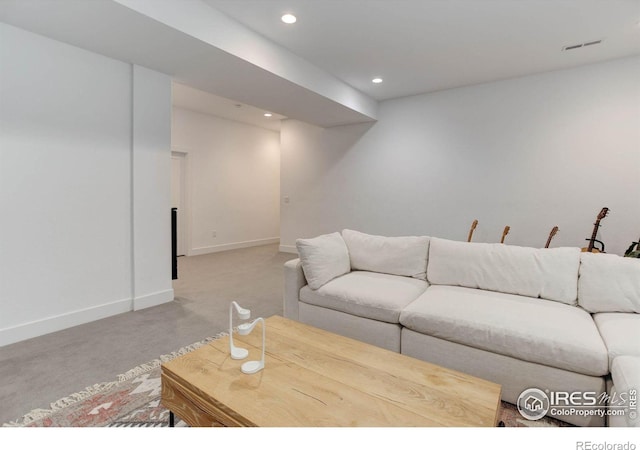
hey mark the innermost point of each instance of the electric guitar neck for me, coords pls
(504, 233)
(553, 232)
(473, 227)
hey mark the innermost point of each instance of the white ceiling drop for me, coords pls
(320, 70)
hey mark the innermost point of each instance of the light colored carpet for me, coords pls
(39, 371)
(133, 401)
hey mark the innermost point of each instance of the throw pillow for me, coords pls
(402, 255)
(609, 283)
(323, 258)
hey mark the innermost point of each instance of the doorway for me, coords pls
(178, 198)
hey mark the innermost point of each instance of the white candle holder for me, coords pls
(244, 314)
(253, 366)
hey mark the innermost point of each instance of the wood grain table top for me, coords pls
(313, 378)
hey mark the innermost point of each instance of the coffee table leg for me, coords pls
(171, 419)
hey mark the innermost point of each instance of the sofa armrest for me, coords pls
(625, 373)
(294, 280)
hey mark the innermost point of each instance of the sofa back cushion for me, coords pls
(404, 255)
(551, 274)
(609, 283)
(323, 258)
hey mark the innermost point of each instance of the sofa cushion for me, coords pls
(372, 295)
(620, 332)
(551, 274)
(529, 329)
(323, 258)
(609, 283)
(403, 255)
(625, 373)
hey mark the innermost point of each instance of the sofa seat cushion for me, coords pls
(372, 295)
(620, 332)
(625, 373)
(529, 329)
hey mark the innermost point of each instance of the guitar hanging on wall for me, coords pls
(473, 227)
(591, 248)
(504, 233)
(553, 232)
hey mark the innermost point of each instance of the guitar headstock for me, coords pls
(603, 213)
(473, 227)
(504, 233)
(553, 232)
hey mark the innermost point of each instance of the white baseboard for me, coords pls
(60, 322)
(288, 249)
(232, 246)
(155, 299)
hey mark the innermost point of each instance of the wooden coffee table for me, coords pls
(313, 378)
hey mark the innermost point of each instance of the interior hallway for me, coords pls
(39, 371)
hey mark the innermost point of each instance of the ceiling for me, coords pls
(319, 69)
(420, 46)
(204, 102)
(200, 47)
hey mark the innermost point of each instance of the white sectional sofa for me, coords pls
(556, 319)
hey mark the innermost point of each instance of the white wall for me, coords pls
(233, 181)
(66, 146)
(531, 153)
(151, 188)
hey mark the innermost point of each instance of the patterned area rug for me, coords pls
(133, 400)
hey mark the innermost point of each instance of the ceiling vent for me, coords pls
(584, 44)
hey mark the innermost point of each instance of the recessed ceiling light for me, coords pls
(268, 114)
(377, 80)
(289, 18)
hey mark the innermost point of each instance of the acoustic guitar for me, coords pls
(631, 253)
(473, 227)
(591, 247)
(504, 233)
(553, 232)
